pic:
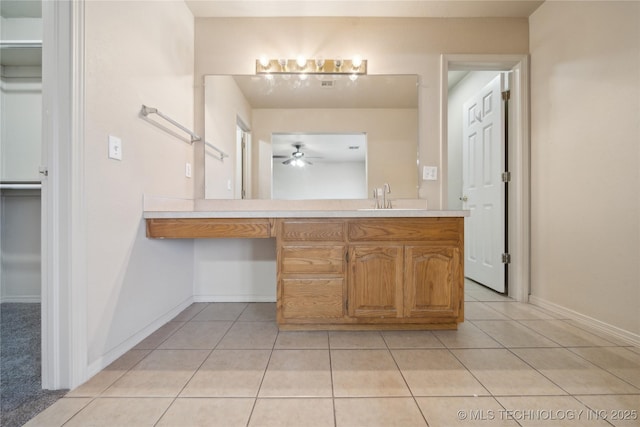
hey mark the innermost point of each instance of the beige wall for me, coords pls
(391, 46)
(585, 159)
(136, 52)
(225, 104)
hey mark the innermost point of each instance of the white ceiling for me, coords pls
(364, 8)
(356, 8)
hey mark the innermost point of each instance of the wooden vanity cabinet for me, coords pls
(360, 273)
(311, 258)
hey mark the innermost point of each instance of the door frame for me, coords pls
(64, 239)
(518, 204)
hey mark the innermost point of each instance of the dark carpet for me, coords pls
(21, 395)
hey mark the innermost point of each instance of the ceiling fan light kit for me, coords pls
(297, 158)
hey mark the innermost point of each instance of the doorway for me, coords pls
(480, 70)
(477, 107)
(243, 161)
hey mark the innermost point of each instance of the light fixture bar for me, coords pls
(311, 66)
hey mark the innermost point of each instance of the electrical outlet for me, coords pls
(187, 170)
(115, 148)
(430, 173)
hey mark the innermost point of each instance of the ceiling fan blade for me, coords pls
(278, 156)
(286, 162)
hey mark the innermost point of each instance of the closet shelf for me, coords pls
(20, 52)
(20, 186)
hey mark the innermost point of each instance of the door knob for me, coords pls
(463, 198)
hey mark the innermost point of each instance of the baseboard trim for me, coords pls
(234, 298)
(622, 334)
(132, 341)
(28, 299)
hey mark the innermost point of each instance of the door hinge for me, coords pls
(506, 176)
(506, 95)
(506, 258)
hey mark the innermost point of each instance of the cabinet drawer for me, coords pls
(313, 259)
(312, 298)
(308, 230)
(417, 229)
(194, 228)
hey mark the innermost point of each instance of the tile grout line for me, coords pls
(198, 368)
(406, 383)
(264, 374)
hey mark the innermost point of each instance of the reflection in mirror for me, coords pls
(382, 109)
(319, 166)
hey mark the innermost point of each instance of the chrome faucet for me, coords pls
(384, 203)
(386, 189)
(376, 198)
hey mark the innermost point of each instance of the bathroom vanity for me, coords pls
(349, 269)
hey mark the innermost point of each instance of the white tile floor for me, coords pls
(226, 364)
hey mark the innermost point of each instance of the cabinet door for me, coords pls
(375, 281)
(433, 281)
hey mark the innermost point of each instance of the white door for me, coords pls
(482, 186)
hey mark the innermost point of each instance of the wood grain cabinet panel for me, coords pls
(312, 298)
(432, 281)
(199, 228)
(313, 259)
(375, 281)
(312, 230)
(405, 229)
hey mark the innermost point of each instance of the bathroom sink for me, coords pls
(393, 209)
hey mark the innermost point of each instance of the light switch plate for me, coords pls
(187, 170)
(430, 173)
(115, 148)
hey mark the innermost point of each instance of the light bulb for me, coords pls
(264, 62)
(301, 61)
(356, 62)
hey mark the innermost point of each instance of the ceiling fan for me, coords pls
(296, 158)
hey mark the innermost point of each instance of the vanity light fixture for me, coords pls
(302, 65)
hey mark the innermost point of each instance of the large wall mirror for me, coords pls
(310, 137)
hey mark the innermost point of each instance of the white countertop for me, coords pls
(161, 207)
